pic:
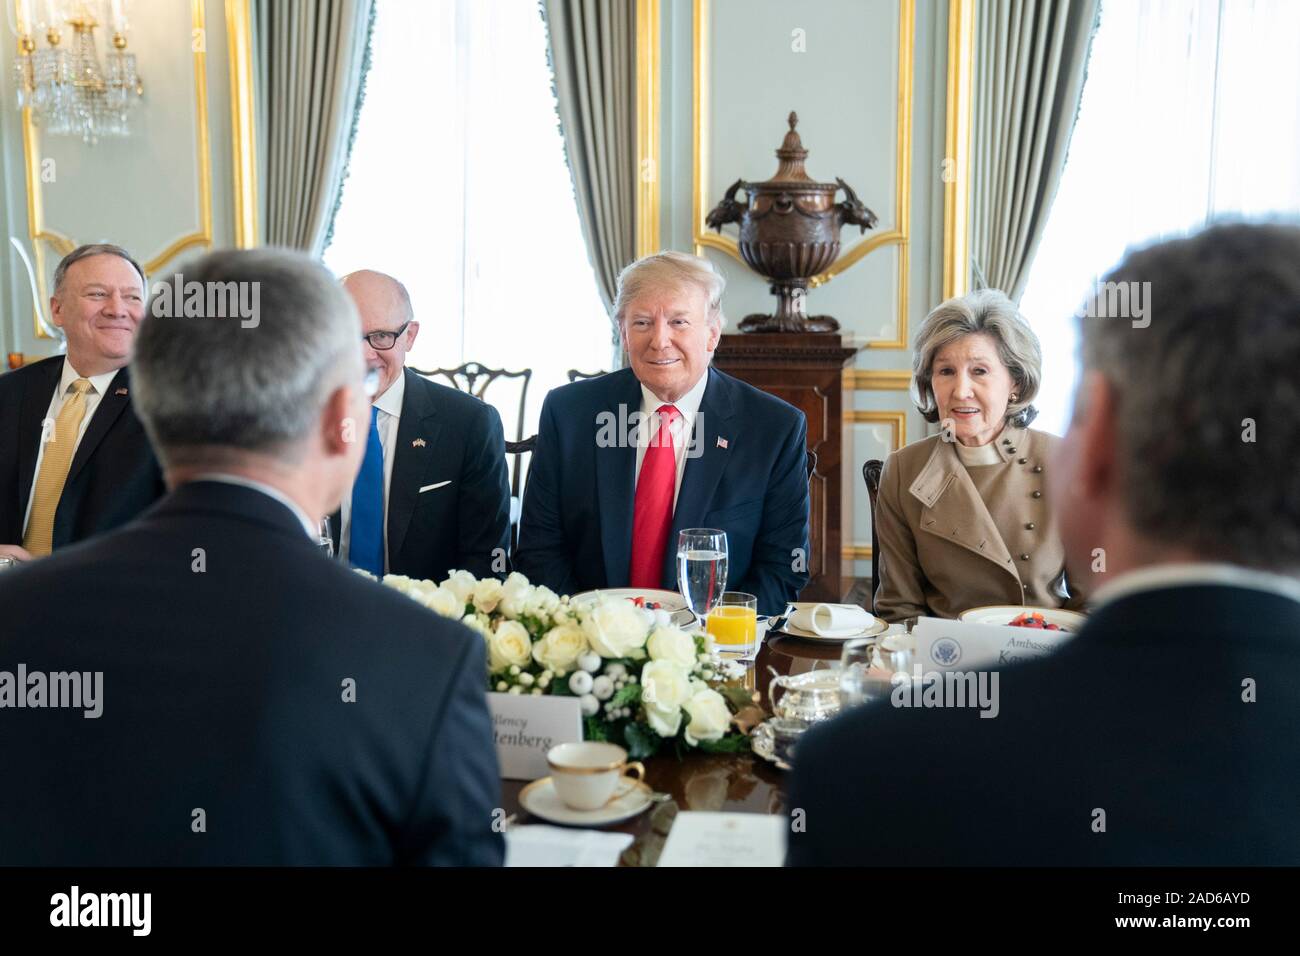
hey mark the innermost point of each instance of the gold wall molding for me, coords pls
(877, 380)
(239, 40)
(648, 177)
(899, 235)
(956, 166)
(897, 422)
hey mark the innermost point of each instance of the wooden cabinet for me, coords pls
(805, 369)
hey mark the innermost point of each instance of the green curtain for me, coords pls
(593, 58)
(1030, 63)
(310, 59)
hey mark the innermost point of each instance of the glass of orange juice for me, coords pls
(733, 622)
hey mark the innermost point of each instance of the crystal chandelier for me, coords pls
(64, 86)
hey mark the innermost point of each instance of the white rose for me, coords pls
(542, 600)
(666, 686)
(665, 723)
(615, 628)
(461, 584)
(441, 601)
(509, 646)
(475, 623)
(710, 717)
(513, 595)
(560, 648)
(670, 644)
(487, 595)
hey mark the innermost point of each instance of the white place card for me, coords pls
(947, 645)
(539, 845)
(725, 839)
(526, 727)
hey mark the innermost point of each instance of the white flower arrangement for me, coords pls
(639, 680)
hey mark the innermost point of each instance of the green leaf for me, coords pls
(641, 741)
(737, 697)
(730, 744)
(595, 729)
(629, 694)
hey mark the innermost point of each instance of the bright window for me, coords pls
(458, 187)
(1189, 114)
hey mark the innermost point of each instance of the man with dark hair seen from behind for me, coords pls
(1165, 732)
(260, 703)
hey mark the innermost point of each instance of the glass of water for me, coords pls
(702, 568)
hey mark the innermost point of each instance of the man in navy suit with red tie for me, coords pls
(626, 461)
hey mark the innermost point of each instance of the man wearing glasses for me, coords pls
(433, 494)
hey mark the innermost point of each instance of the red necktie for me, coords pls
(652, 516)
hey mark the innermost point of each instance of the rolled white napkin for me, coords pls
(832, 620)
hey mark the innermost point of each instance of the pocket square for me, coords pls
(438, 484)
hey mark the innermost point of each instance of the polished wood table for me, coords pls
(718, 782)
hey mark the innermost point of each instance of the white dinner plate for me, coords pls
(540, 799)
(1071, 621)
(670, 601)
(794, 631)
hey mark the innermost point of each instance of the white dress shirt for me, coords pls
(312, 528)
(98, 385)
(1160, 576)
(688, 406)
(390, 412)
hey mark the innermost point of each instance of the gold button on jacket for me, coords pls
(945, 548)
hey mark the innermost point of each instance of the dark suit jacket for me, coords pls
(1141, 716)
(223, 691)
(576, 529)
(113, 476)
(465, 524)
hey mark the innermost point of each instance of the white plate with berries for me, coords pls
(1034, 618)
(670, 602)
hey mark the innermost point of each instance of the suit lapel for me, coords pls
(111, 405)
(410, 459)
(954, 510)
(706, 460)
(616, 476)
(36, 402)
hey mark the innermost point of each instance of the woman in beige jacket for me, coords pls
(962, 518)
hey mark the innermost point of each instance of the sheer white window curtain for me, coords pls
(1190, 112)
(458, 187)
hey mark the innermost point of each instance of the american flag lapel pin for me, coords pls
(418, 443)
(722, 442)
(120, 391)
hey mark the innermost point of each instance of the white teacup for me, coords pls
(587, 774)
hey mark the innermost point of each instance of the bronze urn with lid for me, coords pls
(790, 232)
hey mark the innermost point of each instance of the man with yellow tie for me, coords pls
(74, 459)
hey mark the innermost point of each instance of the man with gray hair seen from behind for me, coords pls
(1164, 733)
(626, 461)
(261, 704)
(74, 458)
